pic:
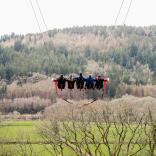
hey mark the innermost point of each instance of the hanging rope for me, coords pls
(128, 10)
(43, 19)
(86, 104)
(119, 12)
(37, 21)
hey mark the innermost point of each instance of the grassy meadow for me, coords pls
(29, 131)
(21, 131)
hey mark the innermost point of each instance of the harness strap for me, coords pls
(55, 83)
(104, 87)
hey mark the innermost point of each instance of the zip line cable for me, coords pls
(128, 10)
(121, 6)
(126, 15)
(41, 13)
(37, 21)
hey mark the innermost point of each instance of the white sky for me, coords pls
(17, 15)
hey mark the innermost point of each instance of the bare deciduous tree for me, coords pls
(107, 135)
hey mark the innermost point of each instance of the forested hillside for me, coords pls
(125, 54)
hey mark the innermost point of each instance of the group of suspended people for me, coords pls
(81, 82)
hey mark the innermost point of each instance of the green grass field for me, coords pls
(17, 130)
(24, 131)
(20, 131)
(28, 131)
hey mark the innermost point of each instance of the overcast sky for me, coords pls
(17, 15)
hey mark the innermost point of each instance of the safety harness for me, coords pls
(57, 86)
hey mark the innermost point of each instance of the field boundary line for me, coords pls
(44, 142)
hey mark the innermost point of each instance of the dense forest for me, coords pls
(126, 54)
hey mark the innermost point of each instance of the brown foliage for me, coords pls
(129, 104)
(138, 90)
(29, 105)
(43, 89)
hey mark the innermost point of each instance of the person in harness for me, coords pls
(99, 82)
(89, 82)
(61, 82)
(80, 81)
(70, 82)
